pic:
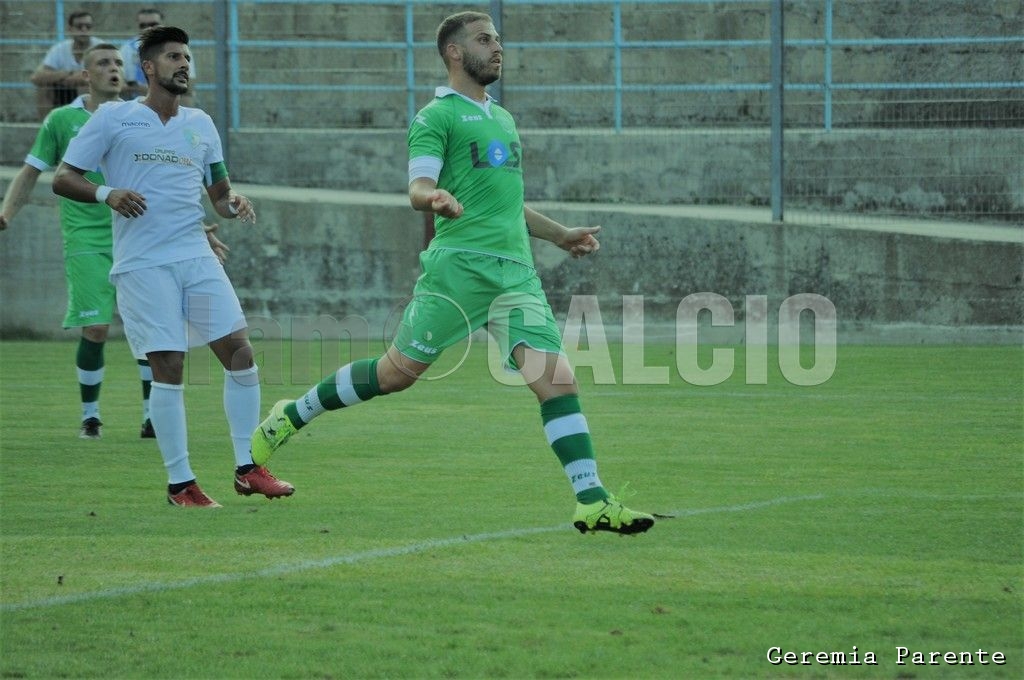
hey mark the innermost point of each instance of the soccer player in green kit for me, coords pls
(86, 234)
(465, 166)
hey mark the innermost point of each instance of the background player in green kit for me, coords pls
(85, 228)
(465, 166)
(87, 237)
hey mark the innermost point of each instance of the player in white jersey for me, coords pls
(172, 291)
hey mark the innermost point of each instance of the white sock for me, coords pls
(90, 409)
(167, 411)
(309, 406)
(242, 407)
(582, 474)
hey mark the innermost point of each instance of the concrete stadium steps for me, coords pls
(566, 67)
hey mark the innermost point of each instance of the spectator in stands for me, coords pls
(148, 17)
(60, 78)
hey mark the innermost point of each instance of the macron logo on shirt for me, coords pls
(135, 123)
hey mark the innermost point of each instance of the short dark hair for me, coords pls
(74, 16)
(455, 23)
(152, 39)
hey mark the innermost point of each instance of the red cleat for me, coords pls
(259, 480)
(192, 497)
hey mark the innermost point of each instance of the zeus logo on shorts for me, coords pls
(426, 349)
(497, 155)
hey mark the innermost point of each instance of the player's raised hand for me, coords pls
(126, 202)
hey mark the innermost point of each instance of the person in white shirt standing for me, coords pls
(58, 78)
(172, 291)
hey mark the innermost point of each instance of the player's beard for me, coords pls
(172, 85)
(477, 69)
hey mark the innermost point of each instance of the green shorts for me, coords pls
(90, 293)
(460, 291)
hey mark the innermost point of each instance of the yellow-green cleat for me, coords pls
(274, 431)
(610, 515)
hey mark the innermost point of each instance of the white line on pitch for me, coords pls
(355, 558)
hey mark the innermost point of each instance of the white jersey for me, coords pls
(168, 164)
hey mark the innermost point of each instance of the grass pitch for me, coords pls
(429, 534)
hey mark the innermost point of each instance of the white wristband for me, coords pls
(102, 192)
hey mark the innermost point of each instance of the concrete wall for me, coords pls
(950, 174)
(352, 257)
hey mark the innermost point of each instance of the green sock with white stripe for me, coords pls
(569, 436)
(351, 384)
(89, 364)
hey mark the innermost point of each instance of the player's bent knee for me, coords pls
(395, 381)
(97, 333)
(167, 367)
(396, 372)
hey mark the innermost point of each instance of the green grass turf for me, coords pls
(429, 535)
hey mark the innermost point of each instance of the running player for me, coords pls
(465, 166)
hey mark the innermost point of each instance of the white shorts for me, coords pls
(177, 306)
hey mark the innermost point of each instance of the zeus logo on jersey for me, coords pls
(497, 155)
(168, 156)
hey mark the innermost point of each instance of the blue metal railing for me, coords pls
(60, 11)
(618, 85)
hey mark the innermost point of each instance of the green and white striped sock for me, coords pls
(569, 436)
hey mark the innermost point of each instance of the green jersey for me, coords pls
(85, 227)
(481, 166)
